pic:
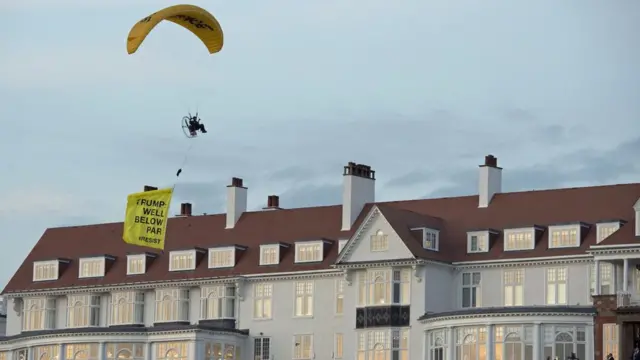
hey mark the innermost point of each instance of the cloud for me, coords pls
(36, 201)
(312, 195)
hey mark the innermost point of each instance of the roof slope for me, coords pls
(452, 216)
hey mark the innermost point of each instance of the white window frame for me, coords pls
(218, 302)
(341, 244)
(556, 278)
(133, 268)
(471, 286)
(394, 340)
(87, 314)
(267, 252)
(301, 246)
(604, 230)
(189, 253)
(379, 241)
(302, 340)
(43, 310)
(610, 340)
(178, 305)
(126, 308)
(263, 300)
(381, 287)
(304, 298)
(430, 238)
(555, 229)
(514, 287)
(338, 346)
(339, 291)
(259, 353)
(482, 242)
(92, 267)
(528, 232)
(50, 266)
(229, 252)
(609, 280)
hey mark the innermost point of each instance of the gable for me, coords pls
(360, 248)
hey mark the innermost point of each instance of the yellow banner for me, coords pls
(145, 222)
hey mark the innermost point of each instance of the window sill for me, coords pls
(303, 316)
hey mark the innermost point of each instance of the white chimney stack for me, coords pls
(636, 207)
(236, 202)
(358, 189)
(490, 182)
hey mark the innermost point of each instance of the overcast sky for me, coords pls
(420, 90)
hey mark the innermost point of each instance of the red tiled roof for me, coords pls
(452, 216)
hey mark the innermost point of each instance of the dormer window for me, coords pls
(92, 267)
(182, 260)
(519, 239)
(606, 229)
(430, 238)
(136, 264)
(46, 270)
(379, 241)
(311, 251)
(478, 242)
(341, 244)
(269, 254)
(564, 236)
(222, 257)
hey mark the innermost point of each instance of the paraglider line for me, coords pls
(184, 163)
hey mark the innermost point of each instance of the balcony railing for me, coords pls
(628, 298)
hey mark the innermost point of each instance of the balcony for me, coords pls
(383, 316)
(627, 299)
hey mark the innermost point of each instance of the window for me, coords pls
(182, 260)
(218, 302)
(309, 252)
(172, 305)
(610, 340)
(127, 308)
(513, 289)
(46, 352)
(564, 237)
(337, 346)
(557, 286)
(219, 351)
(606, 278)
(83, 311)
(21, 354)
(219, 258)
(130, 351)
(136, 264)
(172, 350)
(438, 345)
(304, 298)
(561, 341)
(477, 242)
(93, 267)
(341, 244)
(4, 355)
(383, 345)
(269, 254)
(471, 289)
(605, 230)
(430, 239)
(471, 342)
(262, 294)
(379, 241)
(513, 342)
(82, 351)
(521, 239)
(303, 347)
(339, 296)
(39, 314)
(45, 270)
(384, 287)
(262, 348)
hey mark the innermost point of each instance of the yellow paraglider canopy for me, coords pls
(197, 20)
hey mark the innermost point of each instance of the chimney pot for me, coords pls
(149, 188)
(237, 182)
(273, 201)
(491, 160)
(185, 209)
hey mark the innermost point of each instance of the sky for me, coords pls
(419, 90)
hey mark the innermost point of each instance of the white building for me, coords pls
(505, 276)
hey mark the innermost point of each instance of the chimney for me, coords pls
(358, 189)
(185, 209)
(236, 202)
(490, 181)
(149, 188)
(636, 208)
(273, 203)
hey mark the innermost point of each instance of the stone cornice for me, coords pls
(613, 250)
(500, 315)
(526, 263)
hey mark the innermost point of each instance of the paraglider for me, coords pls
(195, 19)
(191, 125)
